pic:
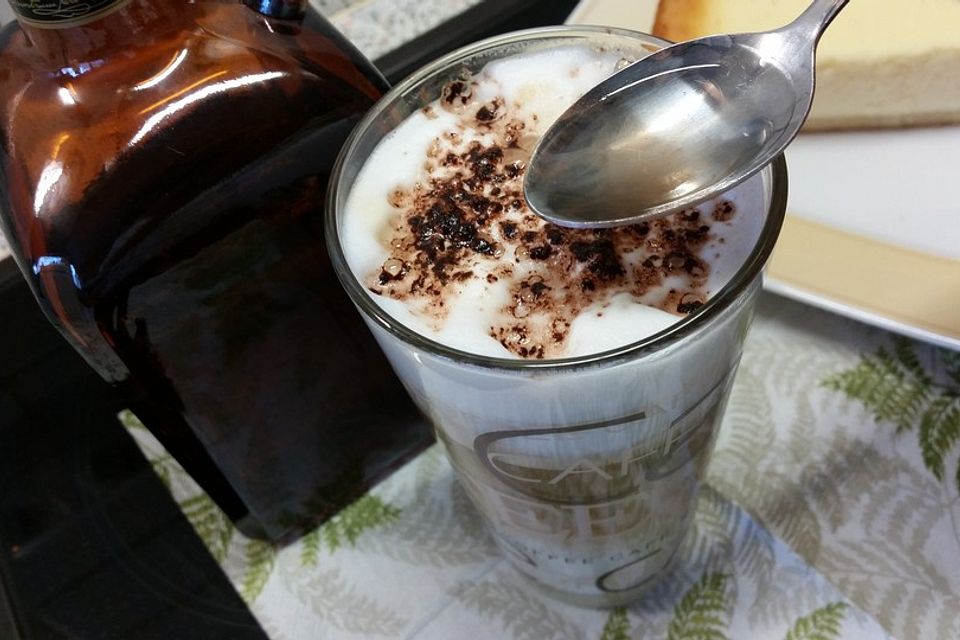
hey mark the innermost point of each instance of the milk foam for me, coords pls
(534, 88)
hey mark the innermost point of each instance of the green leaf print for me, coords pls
(896, 388)
(939, 431)
(165, 467)
(906, 355)
(129, 420)
(951, 363)
(210, 523)
(822, 624)
(702, 613)
(310, 546)
(456, 536)
(617, 626)
(522, 615)
(162, 462)
(260, 557)
(344, 528)
(893, 387)
(341, 603)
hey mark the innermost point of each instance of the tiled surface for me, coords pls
(329, 7)
(378, 26)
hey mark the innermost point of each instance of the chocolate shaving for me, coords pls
(467, 220)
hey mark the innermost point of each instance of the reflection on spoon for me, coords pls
(678, 127)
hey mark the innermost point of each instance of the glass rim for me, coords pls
(775, 172)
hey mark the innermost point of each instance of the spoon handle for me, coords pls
(816, 18)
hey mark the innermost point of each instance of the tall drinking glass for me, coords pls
(587, 469)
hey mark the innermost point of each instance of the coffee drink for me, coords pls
(448, 246)
(575, 377)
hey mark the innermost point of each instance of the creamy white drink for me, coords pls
(437, 228)
(576, 378)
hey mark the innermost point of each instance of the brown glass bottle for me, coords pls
(162, 177)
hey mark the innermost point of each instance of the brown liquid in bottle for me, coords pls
(162, 182)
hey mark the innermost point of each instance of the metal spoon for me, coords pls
(677, 127)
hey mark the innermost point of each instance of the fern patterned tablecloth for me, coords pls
(831, 511)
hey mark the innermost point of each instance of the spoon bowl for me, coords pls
(678, 127)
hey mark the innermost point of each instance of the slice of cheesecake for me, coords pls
(882, 63)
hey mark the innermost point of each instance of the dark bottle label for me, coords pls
(59, 14)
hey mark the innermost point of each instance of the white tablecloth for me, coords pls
(831, 511)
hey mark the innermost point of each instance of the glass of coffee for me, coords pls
(576, 378)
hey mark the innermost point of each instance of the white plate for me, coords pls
(872, 231)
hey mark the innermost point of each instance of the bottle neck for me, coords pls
(101, 28)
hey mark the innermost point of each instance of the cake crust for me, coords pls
(679, 20)
(860, 84)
